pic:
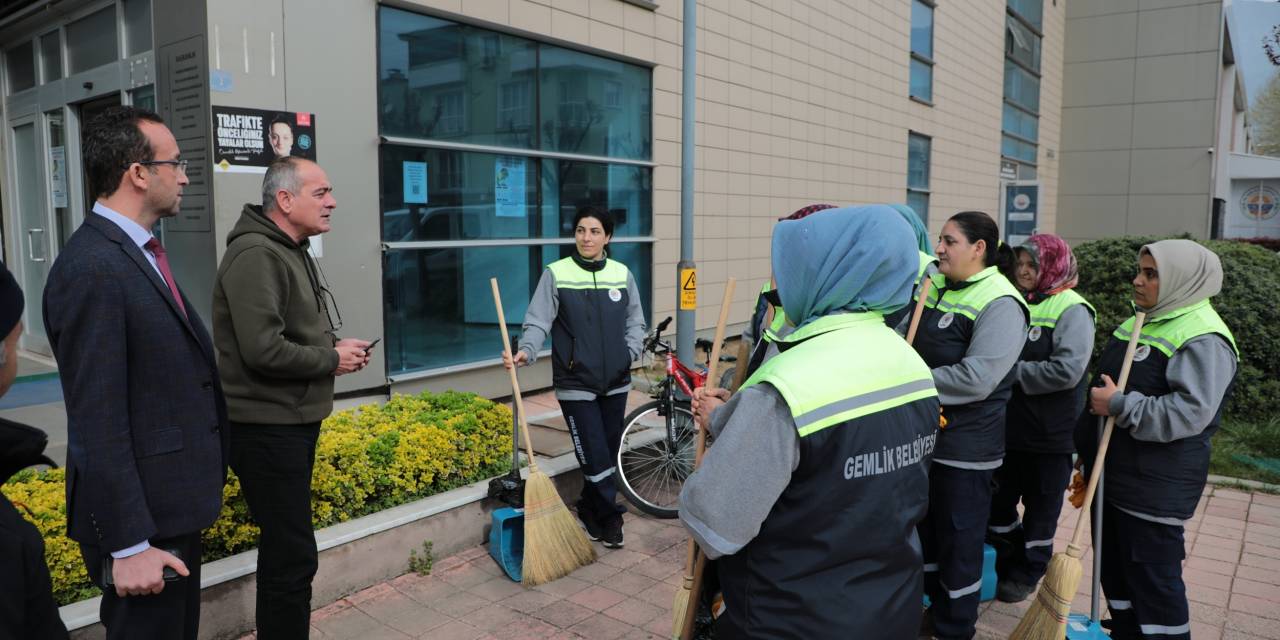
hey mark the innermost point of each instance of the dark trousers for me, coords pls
(1142, 577)
(274, 465)
(951, 536)
(1039, 481)
(596, 428)
(172, 613)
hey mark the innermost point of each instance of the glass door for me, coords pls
(35, 234)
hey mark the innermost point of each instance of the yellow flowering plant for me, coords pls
(368, 459)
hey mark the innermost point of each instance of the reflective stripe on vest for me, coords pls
(1172, 330)
(984, 287)
(1046, 312)
(571, 276)
(925, 261)
(823, 377)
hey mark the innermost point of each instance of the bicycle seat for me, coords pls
(703, 344)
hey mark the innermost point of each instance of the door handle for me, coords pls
(31, 250)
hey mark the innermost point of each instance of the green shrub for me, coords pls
(1247, 303)
(368, 459)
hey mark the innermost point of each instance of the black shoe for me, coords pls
(594, 531)
(1012, 591)
(612, 534)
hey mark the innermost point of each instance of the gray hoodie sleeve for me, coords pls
(635, 319)
(990, 356)
(1072, 346)
(724, 503)
(1198, 375)
(542, 311)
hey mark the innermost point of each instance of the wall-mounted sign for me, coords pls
(1254, 209)
(415, 182)
(247, 140)
(509, 187)
(1021, 206)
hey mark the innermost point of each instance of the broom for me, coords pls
(554, 544)
(1046, 619)
(925, 284)
(682, 612)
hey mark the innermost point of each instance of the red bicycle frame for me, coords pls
(684, 375)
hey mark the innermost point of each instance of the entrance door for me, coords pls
(35, 233)
(87, 112)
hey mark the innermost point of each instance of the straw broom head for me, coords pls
(682, 617)
(554, 544)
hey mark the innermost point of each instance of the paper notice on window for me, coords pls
(58, 176)
(415, 182)
(509, 187)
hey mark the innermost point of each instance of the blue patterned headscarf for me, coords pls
(847, 259)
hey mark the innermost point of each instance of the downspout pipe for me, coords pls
(686, 318)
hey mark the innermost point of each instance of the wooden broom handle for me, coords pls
(925, 285)
(694, 559)
(1099, 461)
(515, 382)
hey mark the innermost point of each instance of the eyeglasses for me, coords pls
(180, 165)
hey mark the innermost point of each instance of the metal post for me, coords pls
(685, 318)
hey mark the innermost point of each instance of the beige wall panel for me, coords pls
(1105, 82)
(1170, 171)
(1168, 215)
(1106, 37)
(1095, 172)
(1088, 217)
(1189, 76)
(1184, 29)
(1097, 128)
(1160, 125)
(1091, 8)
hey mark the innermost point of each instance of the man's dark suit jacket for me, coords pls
(146, 420)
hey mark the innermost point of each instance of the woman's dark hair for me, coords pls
(112, 142)
(599, 213)
(976, 225)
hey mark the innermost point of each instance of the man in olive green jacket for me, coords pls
(274, 330)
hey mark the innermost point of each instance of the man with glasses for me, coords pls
(275, 324)
(146, 419)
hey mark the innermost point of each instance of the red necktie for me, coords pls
(162, 261)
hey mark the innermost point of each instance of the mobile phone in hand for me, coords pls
(108, 575)
(372, 345)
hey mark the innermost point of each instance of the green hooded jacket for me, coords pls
(271, 328)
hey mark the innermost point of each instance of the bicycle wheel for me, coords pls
(651, 470)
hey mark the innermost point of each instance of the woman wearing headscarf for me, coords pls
(964, 335)
(928, 263)
(1158, 460)
(1048, 396)
(811, 494)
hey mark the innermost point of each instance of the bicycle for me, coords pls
(658, 437)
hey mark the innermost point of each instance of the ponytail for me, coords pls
(1006, 261)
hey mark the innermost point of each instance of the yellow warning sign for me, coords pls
(688, 289)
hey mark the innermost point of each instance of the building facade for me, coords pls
(461, 136)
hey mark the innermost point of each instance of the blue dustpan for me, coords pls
(506, 540)
(988, 590)
(1080, 627)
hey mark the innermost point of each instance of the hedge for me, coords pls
(1247, 303)
(368, 459)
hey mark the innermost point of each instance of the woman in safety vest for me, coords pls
(811, 495)
(591, 307)
(1158, 459)
(964, 335)
(1048, 397)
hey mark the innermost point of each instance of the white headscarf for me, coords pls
(1189, 273)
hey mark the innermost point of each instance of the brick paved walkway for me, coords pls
(1232, 574)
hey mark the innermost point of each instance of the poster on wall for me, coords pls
(58, 176)
(1021, 202)
(1254, 211)
(509, 187)
(415, 182)
(247, 140)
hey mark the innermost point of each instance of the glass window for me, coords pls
(441, 83)
(625, 190)
(144, 97)
(918, 161)
(439, 307)
(593, 105)
(919, 202)
(922, 29)
(1020, 123)
(1020, 87)
(1031, 10)
(444, 81)
(20, 65)
(50, 57)
(91, 41)
(137, 26)
(921, 80)
(1017, 149)
(469, 196)
(1021, 44)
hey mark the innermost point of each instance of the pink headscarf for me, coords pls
(1055, 261)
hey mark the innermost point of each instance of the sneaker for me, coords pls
(1012, 591)
(612, 534)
